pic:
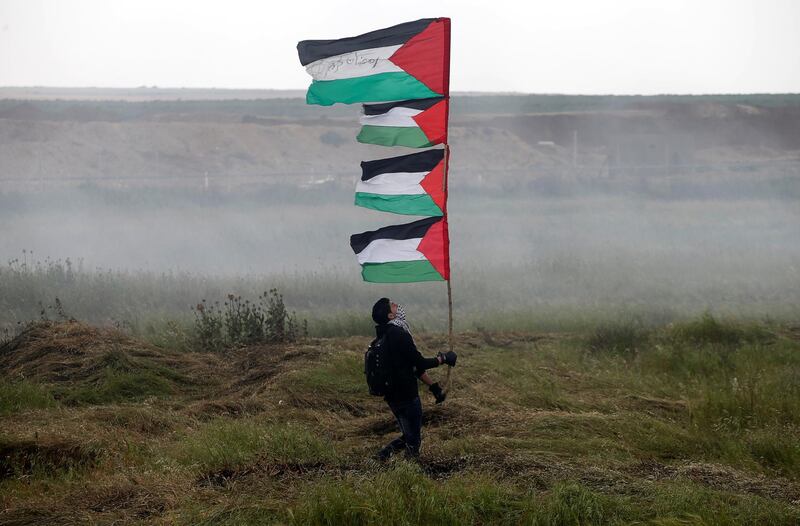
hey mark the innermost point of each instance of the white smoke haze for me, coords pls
(660, 207)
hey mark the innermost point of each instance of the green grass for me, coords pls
(223, 444)
(239, 514)
(405, 496)
(717, 399)
(571, 503)
(676, 502)
(532, 387)
(116, 387)
(342, 375)
(120, 378)
(776, 449)
(23, 395)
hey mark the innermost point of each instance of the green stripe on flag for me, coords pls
(394, 136)
(400, 272)
(413, 205)
(373, 88)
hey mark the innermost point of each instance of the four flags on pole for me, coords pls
(405, 71)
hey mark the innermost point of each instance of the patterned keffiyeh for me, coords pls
(400, 319)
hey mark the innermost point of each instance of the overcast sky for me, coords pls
(556, 46)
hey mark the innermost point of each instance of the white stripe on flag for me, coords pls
(361, 63)
(399, 116)
(386, 250)
(398, 183)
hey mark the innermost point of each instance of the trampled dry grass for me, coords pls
(538, 429)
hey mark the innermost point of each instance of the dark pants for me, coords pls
(409, 416)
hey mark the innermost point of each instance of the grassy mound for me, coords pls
(74, 363)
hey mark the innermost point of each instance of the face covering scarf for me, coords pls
(400, 319)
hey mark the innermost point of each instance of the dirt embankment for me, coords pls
(154, 153)
(228, 146)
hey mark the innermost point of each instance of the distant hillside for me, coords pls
(146, 103)
(498, 140)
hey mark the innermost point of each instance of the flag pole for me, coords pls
(450, 314)
(449, 289)
(448, 379)
(446, 66)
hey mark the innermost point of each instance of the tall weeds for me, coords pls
(239, 322)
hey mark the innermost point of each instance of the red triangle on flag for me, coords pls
(435, 246)
(426, 56)
(433, 122)
(433, 184)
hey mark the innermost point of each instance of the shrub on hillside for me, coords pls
(709, 330)
(241, 322)
(619, 338)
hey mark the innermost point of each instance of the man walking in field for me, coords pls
(404, 365)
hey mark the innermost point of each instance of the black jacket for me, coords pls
(405, 362)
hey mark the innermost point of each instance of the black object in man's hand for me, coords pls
(449, 358)
(436, 389)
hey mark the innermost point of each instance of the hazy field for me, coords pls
(519, 261)
(564, 210)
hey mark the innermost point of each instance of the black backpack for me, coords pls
(376, 367)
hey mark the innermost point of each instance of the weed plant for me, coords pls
(241, 322)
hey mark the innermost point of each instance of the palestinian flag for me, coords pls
(406, 61)
(417, 251)
(410, 123)
(410, 184)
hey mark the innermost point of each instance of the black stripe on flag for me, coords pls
(359, 242)
(418, 104)
(312, 50)
(412, 163)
